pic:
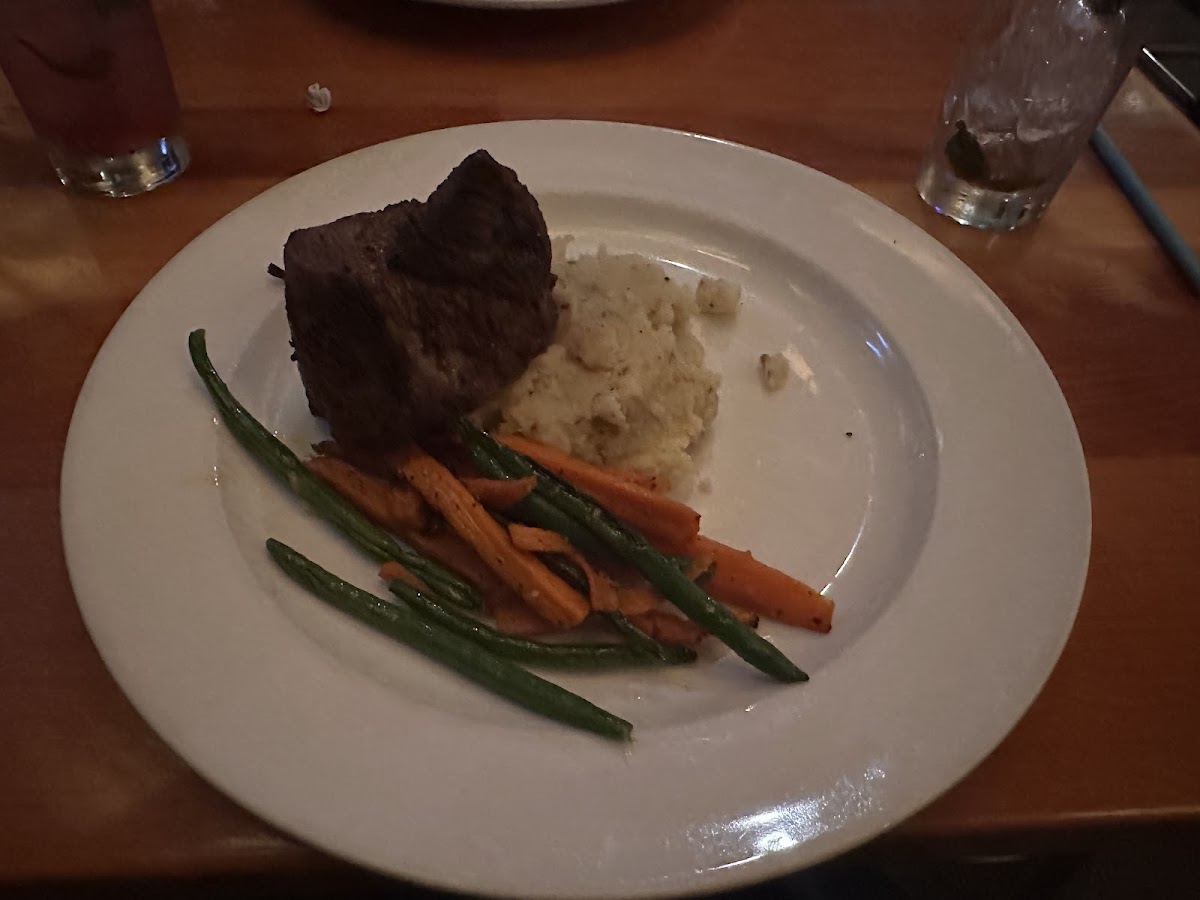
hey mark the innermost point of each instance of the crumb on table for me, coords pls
(319, 98)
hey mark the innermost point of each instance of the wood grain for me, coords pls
(850, 88)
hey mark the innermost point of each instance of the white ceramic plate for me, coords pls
(921, 465)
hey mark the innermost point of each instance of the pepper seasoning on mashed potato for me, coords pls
(624, 381)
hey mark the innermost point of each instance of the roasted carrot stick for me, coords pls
(638, 599)
(745, 616)
(371, 464)
(537, 540)
(659, 484)
(602, 593)
(393, 571)
(454, 553)
(740, 580)
(508, 611)
(495, 493)
(390, 506)
(669, 628)
(669, 524)
(672, 629)
(550, 597)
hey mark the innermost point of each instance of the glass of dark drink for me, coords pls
(92, 77)
(1033, 80)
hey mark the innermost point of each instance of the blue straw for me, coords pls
(1156, 220)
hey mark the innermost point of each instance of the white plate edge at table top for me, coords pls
(856, 809)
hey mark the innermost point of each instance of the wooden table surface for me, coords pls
(850, 88)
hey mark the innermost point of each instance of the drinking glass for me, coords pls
(1032, 82)
(93, 79)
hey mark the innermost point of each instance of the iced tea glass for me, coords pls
(1032, 82)
(93, 79)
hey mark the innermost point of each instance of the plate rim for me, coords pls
(771, 864)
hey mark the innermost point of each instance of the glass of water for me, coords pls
(93, 79)
(1031, 85)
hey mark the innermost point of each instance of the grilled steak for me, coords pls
(405, 318)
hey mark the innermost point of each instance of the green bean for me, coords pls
(486, 669)
(536, 510)
(632, 547)
(532, 509)
(498, 460)
(485, 450)
(638, 638)
(535, 653)
(320, 497)
(634, 636)
(679, 561)
(566, 569)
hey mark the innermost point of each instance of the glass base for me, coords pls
(126, 175)
(980, 207)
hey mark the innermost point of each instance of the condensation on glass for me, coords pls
(1032, 82)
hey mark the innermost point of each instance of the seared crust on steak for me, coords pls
(405, 318)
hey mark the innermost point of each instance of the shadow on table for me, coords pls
(528, 33)
(1158, 864)
(25, 161)
(830, 882)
